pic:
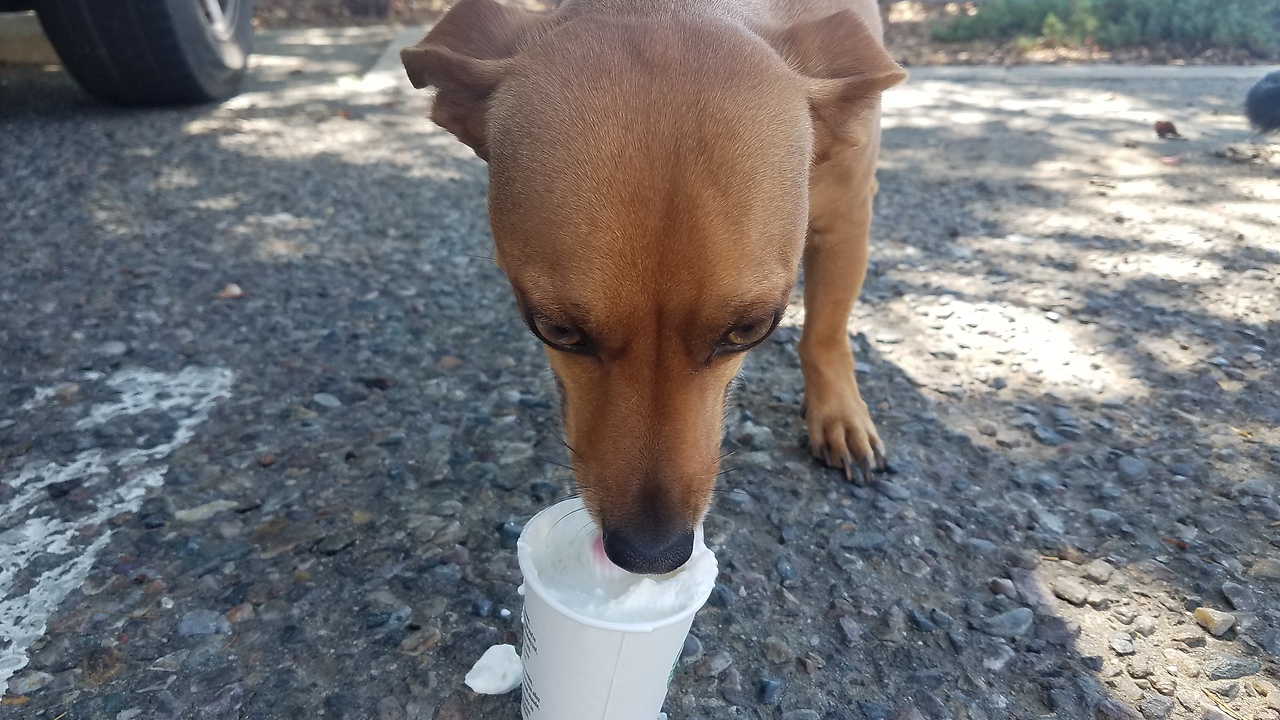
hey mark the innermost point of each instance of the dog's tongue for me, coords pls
(601, 565)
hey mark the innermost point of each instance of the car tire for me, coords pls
(152, 52)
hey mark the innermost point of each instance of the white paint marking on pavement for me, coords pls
(121, 481)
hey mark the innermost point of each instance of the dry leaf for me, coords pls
(230, 291)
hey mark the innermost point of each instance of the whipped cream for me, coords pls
(568, 561)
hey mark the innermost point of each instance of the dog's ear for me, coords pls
(464, 57)
(845, 66)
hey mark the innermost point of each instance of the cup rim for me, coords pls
(533, 583)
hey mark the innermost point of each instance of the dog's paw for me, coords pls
(842, 434)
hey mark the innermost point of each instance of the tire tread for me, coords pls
(126, 52)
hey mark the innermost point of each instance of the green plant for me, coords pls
(1252, 25)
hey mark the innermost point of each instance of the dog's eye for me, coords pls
(557, 334)
(748, 333)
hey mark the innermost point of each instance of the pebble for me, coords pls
(1144, 625)
(100, 665)
(29, 682)
(1004, 587)
(1105, 520)
(777, 651)
(1001, 657)
(731, 681)
(1012, 624)
(801, 715)
(1230, 667)
(1111, 709)
(692, 648)
(892, 626)
(941, 618)
(914, 567)
(1215, 621)
(203, 622)
(1131, 468)
(1266, 569)
(921, 621)
(1155, 707)
(240, 613)
(1048, 436)
(714, 665)
(786, 570)
(337, 542)
(1071, 591)
(738, 500)
(988, 428)
(1140, 667)
(225, 700)
(420, 641)
(767, 690)
(112, 348)
(756, 436)
(1122, 643)
(1070, 432)
(1190, 638)
(1211, 712)
(390, 708)
(850, 631)
(721, 596)
(509, 534)
(1099, 571)
(863, 540)
(325, 400)
(1239, 596)
(482, 607)
(893, 491)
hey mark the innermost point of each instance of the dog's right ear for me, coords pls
(845, 68)
(464, 57)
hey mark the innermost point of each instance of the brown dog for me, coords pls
(657, 168)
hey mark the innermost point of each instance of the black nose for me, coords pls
(648, 553)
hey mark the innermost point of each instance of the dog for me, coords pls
(657, 171)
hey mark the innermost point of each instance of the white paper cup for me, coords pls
(580, 668)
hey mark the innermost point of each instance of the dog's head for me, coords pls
(648, 199)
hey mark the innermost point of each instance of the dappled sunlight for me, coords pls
(1170, 267)
(1002, 342)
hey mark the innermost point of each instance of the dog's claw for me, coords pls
(866, 471)
(881, 464)
(847, 462)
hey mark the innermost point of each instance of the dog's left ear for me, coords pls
(464, 57)
(845, 66)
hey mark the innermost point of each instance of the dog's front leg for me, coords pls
(841, 432)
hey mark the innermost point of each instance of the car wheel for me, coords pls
(152, 52)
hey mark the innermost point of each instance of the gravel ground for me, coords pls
(270, 422)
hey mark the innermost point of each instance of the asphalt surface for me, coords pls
(268, 420)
